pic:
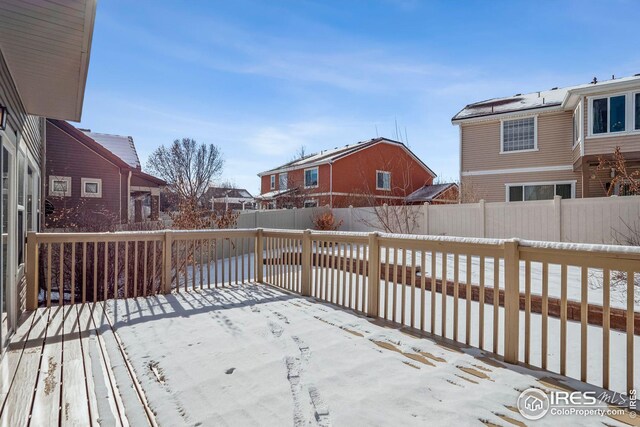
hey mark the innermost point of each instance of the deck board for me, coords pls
(46, 402)
(20, 396)
(74, 408)
(64, 366)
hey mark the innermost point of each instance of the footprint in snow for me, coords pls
(229, 371)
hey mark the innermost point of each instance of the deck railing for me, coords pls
(527, 301)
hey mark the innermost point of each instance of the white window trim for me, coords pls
(578, 113)
(381, 188)
(84, 181)
(304, 177)
(312, 201)
(523, 184)
(286, 181)
(54, 193)
(272, 182)
(535, 134)
(629, 118)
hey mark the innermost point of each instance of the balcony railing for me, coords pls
(530, 302)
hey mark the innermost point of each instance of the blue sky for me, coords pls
(262, 78)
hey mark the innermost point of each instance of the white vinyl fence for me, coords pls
(593, 220)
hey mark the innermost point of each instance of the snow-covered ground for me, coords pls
(254, 355)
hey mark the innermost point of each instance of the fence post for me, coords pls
(350, 218)
(166, 263)
(373, 303)
(511, 301)
(259, 255)
(557, 203)
(305, 284)
(32, 271)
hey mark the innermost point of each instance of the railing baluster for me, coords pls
(443, 289)
(394, 309)
(351, 262)
(215, 262)
(496, 303)
(332, 265)
(126, 269)
(325, 265)
(386, 281)
(115, 271)
(563, 319)
(229, 262)
(105, 274)
(61, 274)
(235, 257)
(95, 271)
(242, 239)
(73, 272)
(84, 272)
(606, 321)
(357, 268)
(583, 323)
(433, 292)
(423, 289)
(456, 284)
(481, 304)
(153, 277)
(413, 288)
(527, 311)
(49, 275)
(630, 318)
(467, 295)
(342, 250)
(201, 264)
(135, 269)
(208, 263)
(545, 313)
(403, 297)
(146, 263)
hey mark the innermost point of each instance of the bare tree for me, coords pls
(188, 167)
(301, 153)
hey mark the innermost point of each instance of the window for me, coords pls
(519, 135)
(540, 191)
(311, 177)
(60, 186)
(273, 182)
(311, 203)
(609, 114)
(577, 125)
(283, 181)
(91, 187)
(383, 180)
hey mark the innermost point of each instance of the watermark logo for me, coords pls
(533, 404)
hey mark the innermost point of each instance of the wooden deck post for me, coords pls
(305, 284)
(166, 262)
(259, 255)
(32, 271)
(511, 301)
(373, 276)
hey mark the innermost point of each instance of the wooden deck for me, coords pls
(65, 366)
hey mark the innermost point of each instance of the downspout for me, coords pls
(331, 184)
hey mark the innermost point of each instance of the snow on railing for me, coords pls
(525, 300)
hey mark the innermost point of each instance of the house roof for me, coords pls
(84, 138)
(272, 194)
(428, 192)
(121, 146)
(555, 98)
(219, 192)
(46, 45)
(329, 156)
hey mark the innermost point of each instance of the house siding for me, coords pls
(28, 127)
(68, 157)
(491, 188)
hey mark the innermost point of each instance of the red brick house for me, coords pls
(98, 174)
(368, 173)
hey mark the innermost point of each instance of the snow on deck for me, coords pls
(254, 355)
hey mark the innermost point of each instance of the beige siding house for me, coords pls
(539, 145)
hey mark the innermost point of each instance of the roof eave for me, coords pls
(522, 111)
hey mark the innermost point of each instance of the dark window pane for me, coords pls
(563, 190)
(599, 115)
(637, 103)
(538, 192)
(617, 115)
(515, 193)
